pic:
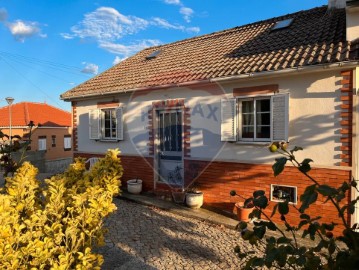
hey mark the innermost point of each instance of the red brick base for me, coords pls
(217, 179)
(134, 167)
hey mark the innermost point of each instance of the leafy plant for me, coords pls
(284, 251)
(14, 144)
(248, 203)
(56, 225)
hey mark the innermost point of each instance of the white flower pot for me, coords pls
(134, 186)
(194, 200)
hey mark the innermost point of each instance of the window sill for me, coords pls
(253, 143)
(108, 140)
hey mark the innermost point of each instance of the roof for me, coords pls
(316, 36)
(40, 113)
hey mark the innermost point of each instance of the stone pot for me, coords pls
(194, 199)
(134, 186)
(243, 212)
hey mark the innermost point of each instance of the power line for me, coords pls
(39, 61)
(34, 85)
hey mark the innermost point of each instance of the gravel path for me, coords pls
(142, 237)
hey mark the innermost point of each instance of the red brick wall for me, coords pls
(347, 117)
(134, 167)
(217, 179)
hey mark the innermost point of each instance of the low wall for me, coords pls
(36, 158)
(57, 165)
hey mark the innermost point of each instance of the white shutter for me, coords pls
(94, 124)
(119, 116)
(280, 117)
(228, 120)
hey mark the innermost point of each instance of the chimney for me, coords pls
(332, 4)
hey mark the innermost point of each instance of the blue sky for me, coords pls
(48, 47)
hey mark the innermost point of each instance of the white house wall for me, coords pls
(314, 114)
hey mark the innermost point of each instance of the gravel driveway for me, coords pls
(142, 237)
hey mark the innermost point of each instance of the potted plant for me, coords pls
(194, 197)
(179, 195)
(134, 186)
(245, 208)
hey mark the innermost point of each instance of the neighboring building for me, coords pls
(52, 133)
(205, 109)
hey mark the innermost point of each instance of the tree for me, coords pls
(284, 251)
(55, 225)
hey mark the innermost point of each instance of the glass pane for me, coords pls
(167, 131)
(173, 138)
(179, 131)
(247, 119)
(247, 106)
(263, 105)
(247, 132)
(263, 119)
(160, 131)
(263, 132)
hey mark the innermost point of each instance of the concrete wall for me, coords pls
(57, 165)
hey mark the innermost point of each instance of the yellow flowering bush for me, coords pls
(55, 225)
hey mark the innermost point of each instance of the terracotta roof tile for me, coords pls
(40, 113)
(315, 36)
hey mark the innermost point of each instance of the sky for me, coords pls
(49, 46)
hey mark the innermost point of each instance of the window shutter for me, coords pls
(119, 116)
(228, 120)
(94, 124)
(280, 117)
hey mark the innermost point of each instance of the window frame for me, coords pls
(231, 127)
(239, 101)
(103, 124)
(67, 138)
(43, 143)
(97, 124)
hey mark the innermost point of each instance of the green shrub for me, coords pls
(55, 225)
(284, 251)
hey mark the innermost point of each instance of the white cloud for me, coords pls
(127, 50)
(173, 2)
(193, 29)
(22, 30)
(187, 13)
(118, 60)
(3, 15)
(106, 24)
(67, 35)
(90, 68)
(165, 24)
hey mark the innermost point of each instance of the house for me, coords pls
(51, 136)
(205, 109)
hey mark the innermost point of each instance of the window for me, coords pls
(53, 141)
(280, 193)
(282, 24)
(255, 119)
(106, 124)
(42, 144)
(67, 142)
(254, 116)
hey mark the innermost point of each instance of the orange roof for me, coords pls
(314, 37)
(40, 113)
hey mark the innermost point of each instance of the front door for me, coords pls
(170, 161)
